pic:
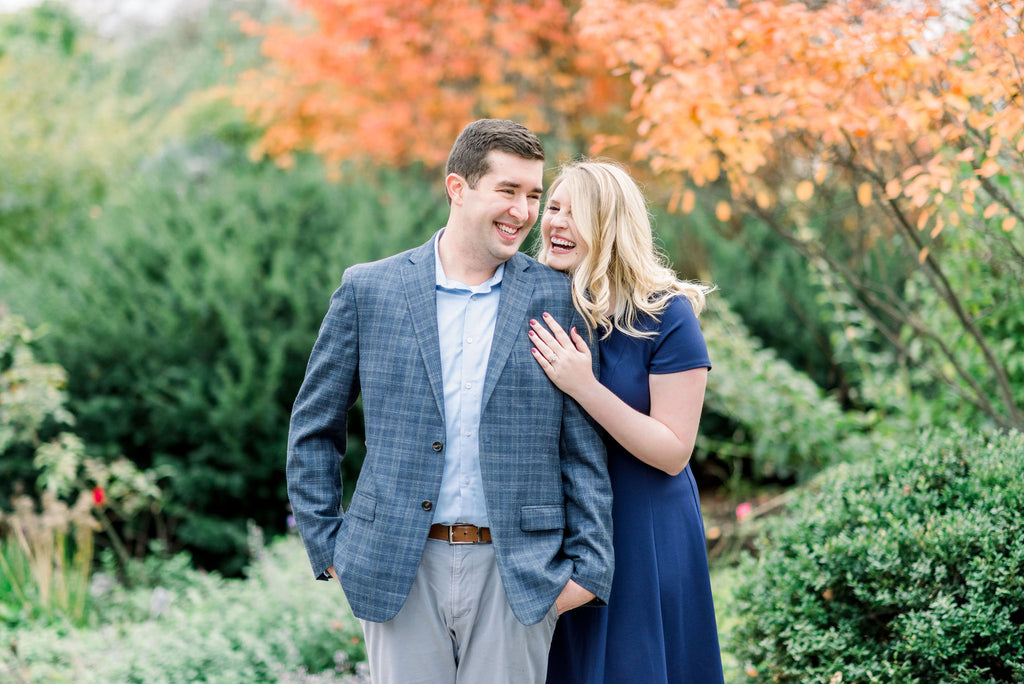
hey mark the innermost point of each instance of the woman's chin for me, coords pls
(561, 263)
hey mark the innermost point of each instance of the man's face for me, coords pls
(497, 214)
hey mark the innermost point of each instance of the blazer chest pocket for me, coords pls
(362, 506)
(523, 371)
(542, 518)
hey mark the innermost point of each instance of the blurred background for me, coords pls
(182, 184)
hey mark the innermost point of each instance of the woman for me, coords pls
(659, 625)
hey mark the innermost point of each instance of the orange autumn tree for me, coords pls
(869, 134)
(393, 81)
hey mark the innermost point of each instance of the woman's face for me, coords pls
(558, 230)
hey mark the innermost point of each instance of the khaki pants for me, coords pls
(456, 626)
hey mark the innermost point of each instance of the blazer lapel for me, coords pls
(516, 293)
(420, 285)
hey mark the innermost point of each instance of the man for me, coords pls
(482, 509)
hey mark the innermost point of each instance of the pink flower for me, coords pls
(99, 496)
(743, 510)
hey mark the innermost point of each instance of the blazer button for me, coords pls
(437, 446)
(426, 505)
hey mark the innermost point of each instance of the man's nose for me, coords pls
(520, 208)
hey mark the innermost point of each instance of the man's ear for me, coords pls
(456, 186)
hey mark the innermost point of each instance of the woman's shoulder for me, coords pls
(680, 343)
(677, 310)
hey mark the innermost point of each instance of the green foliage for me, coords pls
(69, 132)
(186, 317)
(32, 394)
(906, 568)
(766, 282)
(986, 269)
(187, 626)
(78, 112)
(46, 558)
(765, 418)
(50, 26)
(46, 555)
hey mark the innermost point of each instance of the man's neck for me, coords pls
(461, 266)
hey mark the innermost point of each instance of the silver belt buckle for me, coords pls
(452, 540)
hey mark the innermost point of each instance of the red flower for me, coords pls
(99, 496)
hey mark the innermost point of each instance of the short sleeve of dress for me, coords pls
(680, 344)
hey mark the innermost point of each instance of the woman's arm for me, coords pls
(664, 439)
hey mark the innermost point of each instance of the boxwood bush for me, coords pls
(908, 568)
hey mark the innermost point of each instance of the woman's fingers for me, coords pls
(579, 342)
(543, 346)
(556, 329)
(539, 332)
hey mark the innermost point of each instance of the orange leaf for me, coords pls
(912, 171)
(988, 168)
(689, 199)
(991, 210)
(804, 190)
(864, 194)
(922, 255)
(922, 219)
(966, 156)
(723, 211)
(1009, 223)
(893, 189)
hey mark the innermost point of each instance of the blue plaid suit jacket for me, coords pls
(543, 463)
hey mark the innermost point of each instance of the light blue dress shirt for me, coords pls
(465, 326)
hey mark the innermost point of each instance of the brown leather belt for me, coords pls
(461, 534)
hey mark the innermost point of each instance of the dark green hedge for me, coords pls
(909, 568)
(186, 313)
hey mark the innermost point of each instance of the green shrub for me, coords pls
(764, 418)
(186, 314)
(69, 132)
(905, 569)
(189, 626)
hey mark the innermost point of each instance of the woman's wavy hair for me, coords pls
(622, 263)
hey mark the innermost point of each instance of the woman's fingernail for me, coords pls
(547, 315)
(533, 321)
(531, 333)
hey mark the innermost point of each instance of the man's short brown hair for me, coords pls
(468, 156)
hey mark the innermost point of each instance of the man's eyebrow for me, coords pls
(515, 185)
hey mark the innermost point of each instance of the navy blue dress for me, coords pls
(659, 625)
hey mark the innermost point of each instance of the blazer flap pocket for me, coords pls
(362, 506)
(537, 518)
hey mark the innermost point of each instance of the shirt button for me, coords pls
(426, 505)
(468, 385)
(469, 340)
(436, 446)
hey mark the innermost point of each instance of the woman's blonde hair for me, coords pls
(622, 264)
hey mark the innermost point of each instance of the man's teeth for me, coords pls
(508, 230)
(564, 244)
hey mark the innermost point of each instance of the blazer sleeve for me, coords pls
(318, 430)
(588, 495)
